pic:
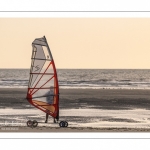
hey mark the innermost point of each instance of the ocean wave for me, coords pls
(83, 78)
(15, 80)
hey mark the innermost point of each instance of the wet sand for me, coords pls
(80, 98)
(111, 107)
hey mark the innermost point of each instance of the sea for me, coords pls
(83, 78)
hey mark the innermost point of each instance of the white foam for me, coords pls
(140, 118)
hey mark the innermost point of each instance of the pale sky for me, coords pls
(94, 43)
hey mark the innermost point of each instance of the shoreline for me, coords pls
(86, 110)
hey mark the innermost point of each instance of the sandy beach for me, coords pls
(86, 110)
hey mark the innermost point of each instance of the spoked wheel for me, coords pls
(66, 123)
(29, 123)
(35, 123)
(63, 124)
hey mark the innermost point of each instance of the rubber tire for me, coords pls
(35, 123)
(29, 123)
(62, 124)
(66, 123)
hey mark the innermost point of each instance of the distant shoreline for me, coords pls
(85, 88)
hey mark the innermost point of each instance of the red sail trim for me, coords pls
(50, 109)
(56, 100)
(41, 76)
(56, 79)
(42, 85)
(44, 109)
(29, 98)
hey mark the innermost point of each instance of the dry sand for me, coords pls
(86, 110)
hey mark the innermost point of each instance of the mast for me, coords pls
(55, 72)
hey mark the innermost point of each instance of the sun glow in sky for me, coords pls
(94, 43)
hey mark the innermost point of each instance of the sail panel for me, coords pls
(44, 105)
(45, 50)
(39, 53)
(36, 69)
(49, 100)
(43, 81)
(39, 42)
(47, 68)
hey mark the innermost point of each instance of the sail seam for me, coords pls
(41, 59)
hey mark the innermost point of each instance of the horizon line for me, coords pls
(88, 68)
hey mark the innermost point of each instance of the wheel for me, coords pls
(35, 123)
(29, 123)
(62, 124)
(66, 123)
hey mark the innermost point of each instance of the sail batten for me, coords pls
(43, 83)
(45, 96)
(40, 59)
